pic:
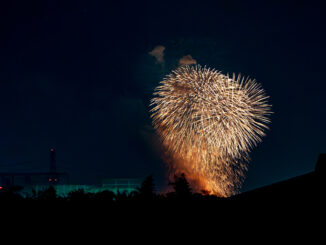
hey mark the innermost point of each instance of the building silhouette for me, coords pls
(51, 177)
(39, 181)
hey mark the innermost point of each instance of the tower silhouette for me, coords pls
(53, 167)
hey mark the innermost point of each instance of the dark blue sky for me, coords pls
(77, 76)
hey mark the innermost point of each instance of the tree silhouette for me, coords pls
(107, 196)
(121, 197)
(79, 195)
(49, 194)
(146, 190)
(181, 186)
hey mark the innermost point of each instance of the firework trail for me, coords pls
(208, 123)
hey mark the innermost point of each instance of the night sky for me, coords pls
(78, 76)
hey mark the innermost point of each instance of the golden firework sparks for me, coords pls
(208, 123)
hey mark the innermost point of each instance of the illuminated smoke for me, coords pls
(158, 53)
(187, 60)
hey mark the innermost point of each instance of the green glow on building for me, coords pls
(114, 185)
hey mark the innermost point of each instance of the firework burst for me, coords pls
(208, 123)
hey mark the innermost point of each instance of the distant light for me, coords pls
(52, 149)
(55, 180)
(50, 180)
(1, 187)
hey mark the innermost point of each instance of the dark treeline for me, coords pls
(306, 189)
(180, 204)
(146, 193)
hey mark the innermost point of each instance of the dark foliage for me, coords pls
(49, 194)
(146, 190)
(11, 193)
(181, 187)
(293, 189)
